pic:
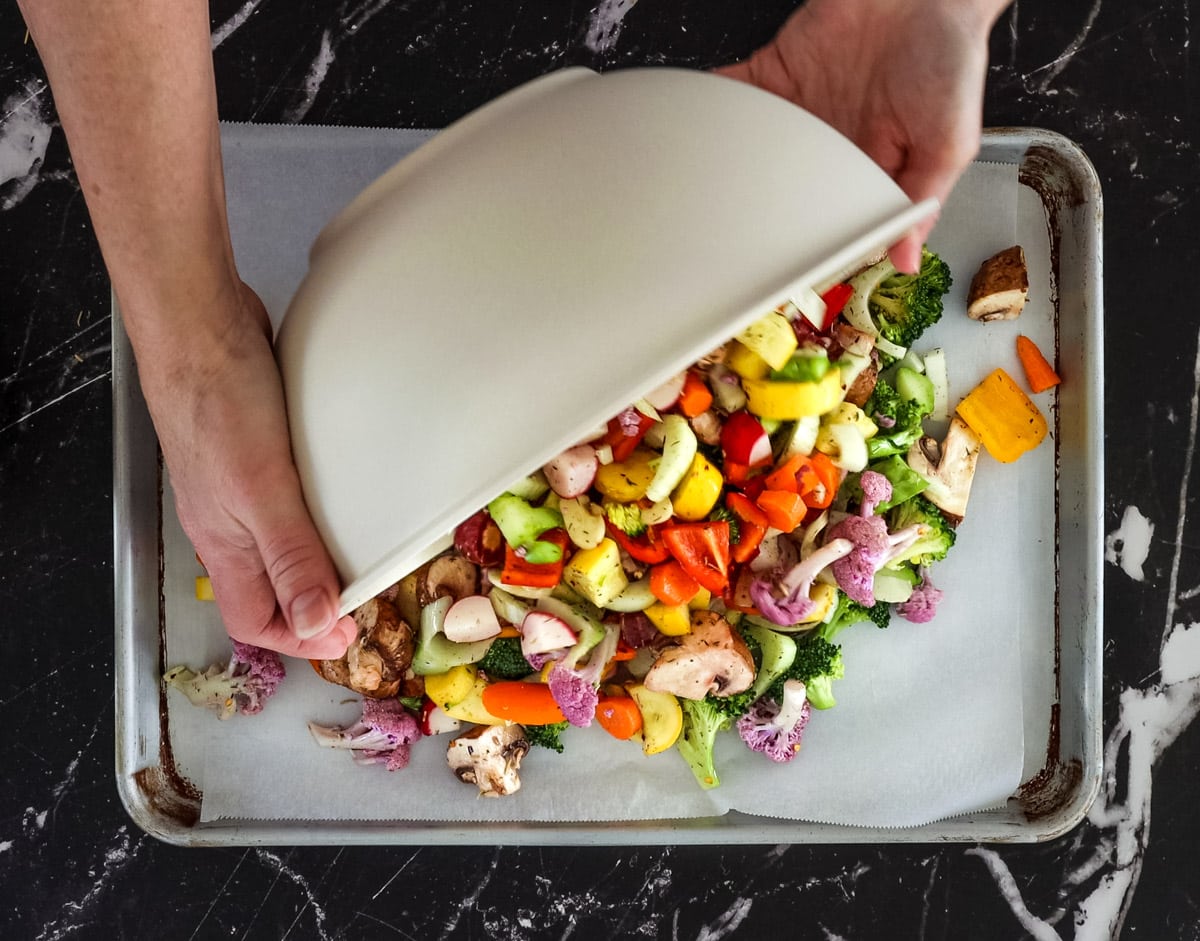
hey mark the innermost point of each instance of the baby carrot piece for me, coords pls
(695, 398)
(671, 585)
(619, 716)
(784, 509)
(1038, 371)
(522, 702)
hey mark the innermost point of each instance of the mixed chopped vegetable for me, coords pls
(687, 571)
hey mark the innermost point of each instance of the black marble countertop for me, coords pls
(1118, 78)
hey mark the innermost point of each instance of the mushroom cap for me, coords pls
(711, 658)
(489, 756)
(377, 663)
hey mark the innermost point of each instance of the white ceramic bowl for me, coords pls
(535, 268)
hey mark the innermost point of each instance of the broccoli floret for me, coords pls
(383, 734)
(849, 612)
(241, 686)
(899, 421)
(904, 306)
(627, 517)
(547, 736)
(936, 539)
(504, 660)
(703, 720)
(817, 664)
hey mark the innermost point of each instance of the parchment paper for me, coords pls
(929, 722)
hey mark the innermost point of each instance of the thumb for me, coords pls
(297, 564)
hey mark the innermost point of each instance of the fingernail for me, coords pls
(312, 614)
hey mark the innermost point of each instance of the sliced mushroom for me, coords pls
(864, 383)
(707, 427)
(949, 466)
(489, 756)
(851, 339)
(449, 574)
(712, 658)
(1000, 286)
(378, 662)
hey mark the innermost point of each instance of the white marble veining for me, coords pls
(25, 128)
(605, 23)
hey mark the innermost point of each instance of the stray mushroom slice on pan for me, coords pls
(949, 466)
(711, 658)
(489, 756)
(1000, 286)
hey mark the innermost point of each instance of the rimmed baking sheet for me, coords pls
(160, 755)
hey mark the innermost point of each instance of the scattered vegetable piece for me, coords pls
(381, 736)
(999, 288)
(619, 716)
(1038, 372)
(1003, 416)
(523, 702)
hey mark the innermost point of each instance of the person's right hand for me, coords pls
(903, 79)
(218, 409)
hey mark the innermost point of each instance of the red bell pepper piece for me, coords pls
(647, 547)
(622, 444)
(517, 571)
(703, 551)
(835, 302)
(752, 526)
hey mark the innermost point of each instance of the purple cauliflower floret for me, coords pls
(775, 729)
(382, 736)
(922, 604)
(576, 688)
(792, 603)
(243, 685)
(263, 672)
(874, 546)
(875, 490)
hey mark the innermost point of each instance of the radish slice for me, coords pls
(470, 619)
(745, 441)
(572, 472)
(667, 394)
(542, 632)
(935, 372)
(435, 721)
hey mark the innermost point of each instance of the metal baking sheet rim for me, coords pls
(1053, 802)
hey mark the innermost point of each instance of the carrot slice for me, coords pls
(695, 398)
(671, 584)
(619, 716)
(522, 702)
(1038, 372)
(784, 510)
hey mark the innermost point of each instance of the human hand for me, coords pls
(903, 79)
(219, 412)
